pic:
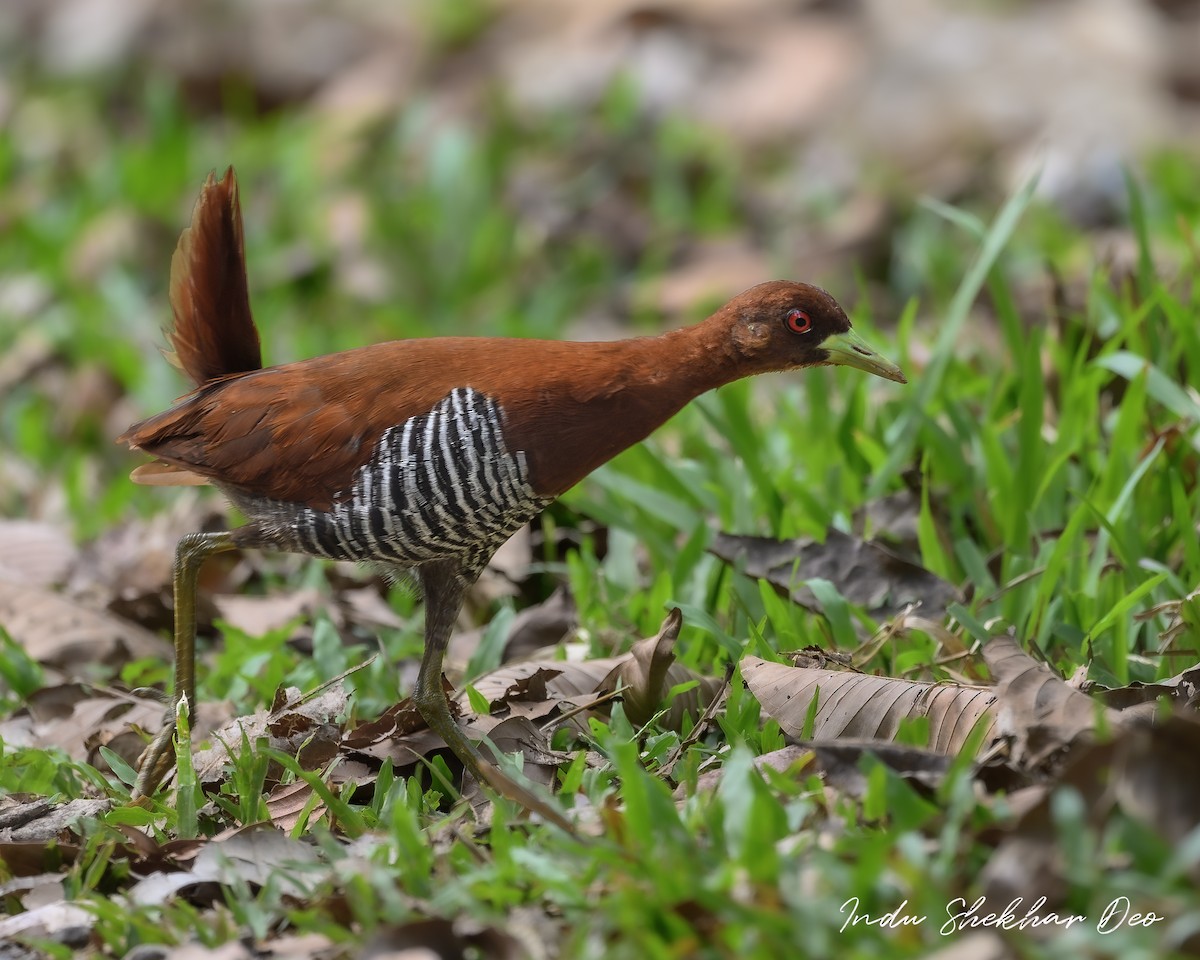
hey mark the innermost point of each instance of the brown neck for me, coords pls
(681, 364)
(614, 395)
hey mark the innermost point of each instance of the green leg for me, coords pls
(443, 588)
(190, 554)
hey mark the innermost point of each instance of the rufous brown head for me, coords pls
(784, 325)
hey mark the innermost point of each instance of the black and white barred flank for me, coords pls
(438, 486)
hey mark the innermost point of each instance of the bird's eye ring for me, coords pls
(797, 321)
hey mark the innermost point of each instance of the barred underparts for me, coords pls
(441, 485)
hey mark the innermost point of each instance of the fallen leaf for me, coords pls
(159, 887)
(1028, 862)
(258, 616)
(81, 642)
(542, 625)
(1183, 689)
(259, 853)
(648, 673)
(363, 606)
(892, 518)
(865, 706)
(61, 922)
(286, 803)
(533, 630)
(24, 858)
(128, 568)
(435, 938)
(397, 720)
(519, 735)
(34, 554)
(78, 720)
(977, 945)
(1156, 778)
(865, 572)
(308, 729)
(43, 821)
(1043, 717)
(840, 761)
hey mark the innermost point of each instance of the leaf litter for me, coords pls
(1031, 730)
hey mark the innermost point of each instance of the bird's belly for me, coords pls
(441, 485)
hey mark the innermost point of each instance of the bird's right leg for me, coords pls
(443, 586)
(190, 554)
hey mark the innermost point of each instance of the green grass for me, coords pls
(1055, 452)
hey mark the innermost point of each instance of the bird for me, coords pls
(423, 455)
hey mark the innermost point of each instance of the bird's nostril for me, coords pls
(865, 353)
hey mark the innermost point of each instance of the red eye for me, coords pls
(798, 321)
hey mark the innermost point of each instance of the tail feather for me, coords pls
(214, 333)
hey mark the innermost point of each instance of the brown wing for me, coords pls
(214, 333)
(299, 432)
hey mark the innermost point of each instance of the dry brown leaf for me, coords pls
(396, 721)
(647, 672)
(364, 606)
(533, 629)
(642, 676)
(575, 680)
(433, 938)
(1148, 770)
(258, 616)
(977, 945)
(25, 858)
(542, 625)
(1028, 862)
(34, 554)
(402, 736)
(1183, 689)
(61, 921)
(161, 886)
(1043, 716)
(1156, 778)
(127, 569)
(519, 735)
(865, 572)
(81, 642)
(297, 946)
(308, 729)
(520, 694)
(892, 519)
(257, 853)
(792, 759)
(77, 720)
(42, 821)
(840, 762)
(860, 705)
(286, 803)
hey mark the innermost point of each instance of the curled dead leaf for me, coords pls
(1044, 718)
(645, 676)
